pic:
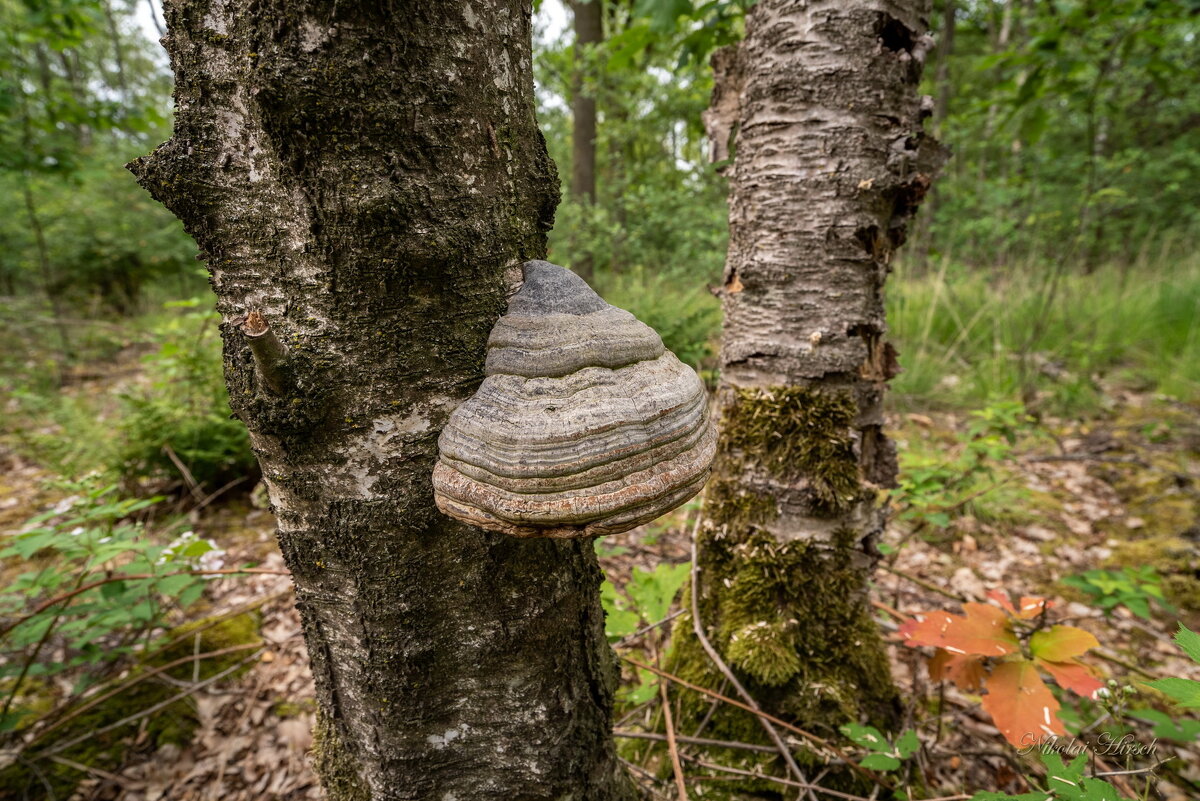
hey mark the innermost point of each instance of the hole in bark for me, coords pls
(872, 241)
(878, 455)
(863, 330)
(894, 34)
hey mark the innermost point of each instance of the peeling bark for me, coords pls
(362, 180)
(830, 164)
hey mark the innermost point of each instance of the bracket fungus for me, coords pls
(585, 424)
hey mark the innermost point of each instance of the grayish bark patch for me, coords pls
(364, 177)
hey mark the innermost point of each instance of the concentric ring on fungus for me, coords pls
(584, 424)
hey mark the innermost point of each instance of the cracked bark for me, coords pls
(819, 111)
(362, 179)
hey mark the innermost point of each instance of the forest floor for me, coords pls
(1119, 490)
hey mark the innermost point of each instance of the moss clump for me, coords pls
(798, 433)
(766, 651)
(1165, 497)
(792, 619)
(728, 504)
(339, 771)
(293, 709)
(36, 779)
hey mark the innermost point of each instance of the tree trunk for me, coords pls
(589, 32)
(362, 181)
(830, 165)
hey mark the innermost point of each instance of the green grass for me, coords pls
(1061, 342)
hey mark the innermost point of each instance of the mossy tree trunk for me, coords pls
(818, 106)
(363, 181)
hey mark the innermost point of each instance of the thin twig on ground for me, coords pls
(683, 738)
(125, 721)
(672, 747)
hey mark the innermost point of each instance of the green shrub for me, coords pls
(682, 311)
(184, 411)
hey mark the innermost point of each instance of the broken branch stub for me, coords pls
(270, 354)
(585, 424)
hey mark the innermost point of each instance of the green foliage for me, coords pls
(1132, 587)
(967, 337)
(656, 233)
(935, 486)
(882, 754)
(647, 598)
(81, 93)
(1064, 782)
(86, 616)
(183, 410)
(687, 316)
(1181, 730)
(178, 407)
(1073, 130)
(1185, 692)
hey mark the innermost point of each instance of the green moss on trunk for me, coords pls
(790, 616)
(797, 434)
(340, 773)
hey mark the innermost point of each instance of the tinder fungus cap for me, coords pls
(584, 425)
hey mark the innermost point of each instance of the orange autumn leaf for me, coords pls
(1021, 705)
(1074, 676)
(1031, 606)
(984, 630)
(965, 670)
(1060, 643)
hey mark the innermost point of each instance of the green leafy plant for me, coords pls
(934, 489)
(97, 587)
(178, 428)
(648, 596)
(1181, 730)
(1132, 587)
(1064, 782)
(882, 754)
(1185, 692)
(647, 600)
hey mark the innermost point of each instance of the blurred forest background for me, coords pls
(1055, 259)
(1052, 281)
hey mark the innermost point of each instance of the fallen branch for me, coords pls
(807, 735)
(125, 721)
(683, 738)
(645, 629)
(79, 710)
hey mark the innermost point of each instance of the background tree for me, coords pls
(819, 110)
(79, 91)
(362, 183)
(588, 17)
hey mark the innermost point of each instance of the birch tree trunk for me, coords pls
(818, 107)
(362, 180)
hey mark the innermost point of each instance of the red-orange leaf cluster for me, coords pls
(1019, 702)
